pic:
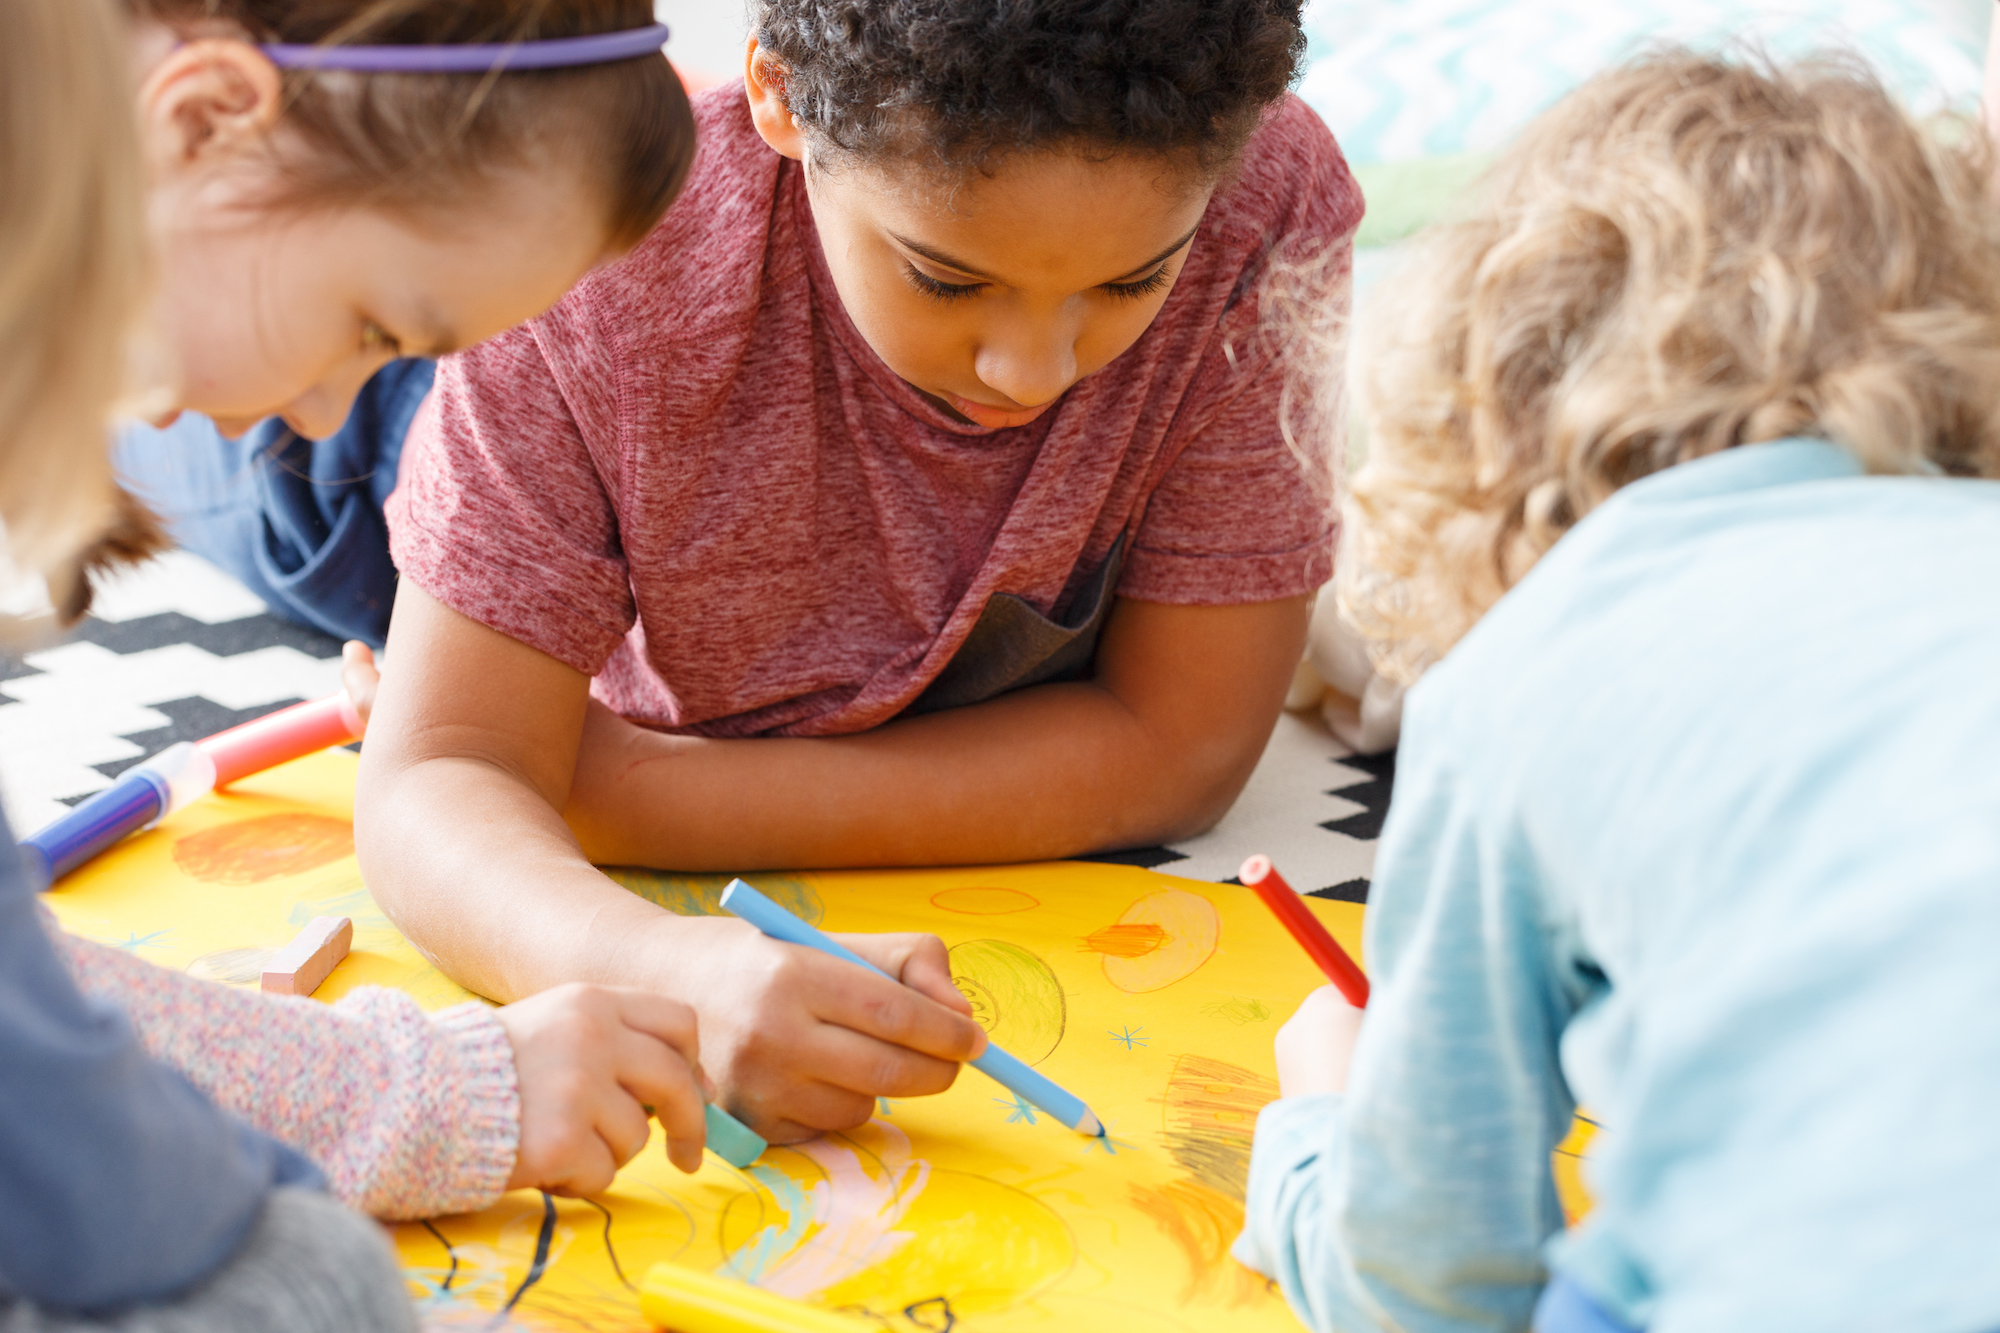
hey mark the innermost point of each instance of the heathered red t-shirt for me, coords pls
(694, 480)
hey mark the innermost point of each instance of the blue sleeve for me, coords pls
(1419, 1201)
(297, 521)
(119, 1182)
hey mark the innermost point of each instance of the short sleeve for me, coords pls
(1245, 510)
(502, 512)
(1246, 513)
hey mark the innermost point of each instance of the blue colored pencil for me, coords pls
(1008, 1071)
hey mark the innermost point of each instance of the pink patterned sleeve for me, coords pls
(409, 1114)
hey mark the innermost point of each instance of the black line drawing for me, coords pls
(540, 1266)
(926, 1314)
(616, 1267)
(450, 1253)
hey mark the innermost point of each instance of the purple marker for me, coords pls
(139, 799)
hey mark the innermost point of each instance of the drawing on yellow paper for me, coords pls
(1146, 995)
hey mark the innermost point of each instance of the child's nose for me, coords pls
(1029, 365)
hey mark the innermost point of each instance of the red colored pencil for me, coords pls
(1259, 874)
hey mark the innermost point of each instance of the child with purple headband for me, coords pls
(279, 465)
(167, 1145)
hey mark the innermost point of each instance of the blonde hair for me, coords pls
(1684, 256)
(72, 268)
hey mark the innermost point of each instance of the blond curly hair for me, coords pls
(1686, 255)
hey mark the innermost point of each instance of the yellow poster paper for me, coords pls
(1154, 999)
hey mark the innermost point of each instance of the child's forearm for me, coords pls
(481, 874)
(1156, 747)
(408, 1114)
(1055, 771)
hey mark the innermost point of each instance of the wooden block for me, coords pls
(299, 967)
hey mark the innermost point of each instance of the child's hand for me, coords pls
(802, 1043)
(1314, 1048)
(359, 677)
(590, 1061)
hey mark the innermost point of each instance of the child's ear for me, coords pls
(207, 100)
(764, 81)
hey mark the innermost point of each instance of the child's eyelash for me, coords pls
(939, 291)
(373, 335)
(952, 291)
(1144, 287)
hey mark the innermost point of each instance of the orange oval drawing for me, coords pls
(1162, 938)
(1134, 939)
(983, 901)
(251, 851)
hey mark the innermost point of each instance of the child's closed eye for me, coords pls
(376, 339)
(937, 290)
(1140, 288)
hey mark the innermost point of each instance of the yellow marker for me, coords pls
(689, 1302)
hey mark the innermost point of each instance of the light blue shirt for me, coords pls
(1701, 827)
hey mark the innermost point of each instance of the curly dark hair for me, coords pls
(968, 80)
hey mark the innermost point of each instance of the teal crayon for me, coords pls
(1010, 1072)
(732, 1140)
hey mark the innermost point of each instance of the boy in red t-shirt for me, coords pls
(919, 492)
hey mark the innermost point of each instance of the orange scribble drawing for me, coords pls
(1211, 1115)
(1204, 1223)
(978, 900)
(1160, 939)
(1127, 939)
(251, 851)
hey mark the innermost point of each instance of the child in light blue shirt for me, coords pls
(1700, 824)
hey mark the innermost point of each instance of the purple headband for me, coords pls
(487, 58)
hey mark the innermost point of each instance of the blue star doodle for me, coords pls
(1131, 1037)
(134, 942)
(1107, 1141)
(1017, 1109)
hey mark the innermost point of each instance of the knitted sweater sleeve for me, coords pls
(409, 1114)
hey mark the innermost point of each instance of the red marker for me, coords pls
(1259, 874)
(280, 737)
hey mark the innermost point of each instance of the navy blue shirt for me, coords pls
(120, 1183)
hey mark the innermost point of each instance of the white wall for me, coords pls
(707, 34)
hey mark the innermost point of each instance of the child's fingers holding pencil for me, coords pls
(1316, 1045)
(918, 961)
(899, 1012)
(873, 1067)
